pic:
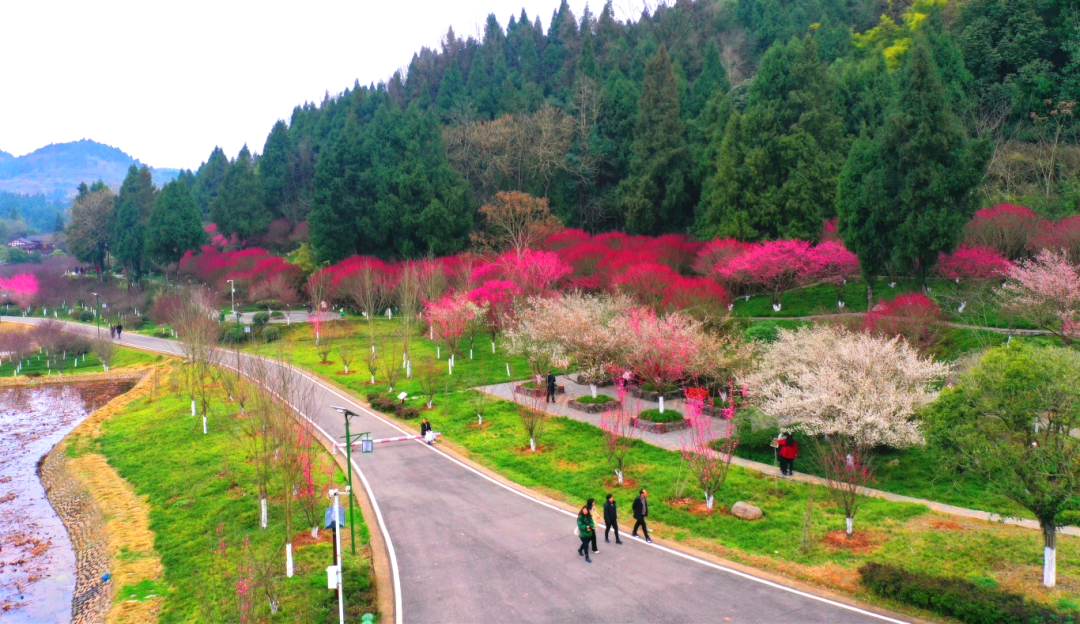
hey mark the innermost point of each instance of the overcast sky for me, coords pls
(167, 81)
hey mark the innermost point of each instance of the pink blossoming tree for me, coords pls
(1046, 292)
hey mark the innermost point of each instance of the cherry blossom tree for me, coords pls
(1006, 227)
(538, 337)
(717, 253)
(832, 263)
(1063, 234)
(645, 283)
(497, 298)
(619, 432)
(450, 318)
(709, 465)
(21, 288)
(1046, 292)
(771, 267)
(973, 263)
(662, 348)
(912, 316)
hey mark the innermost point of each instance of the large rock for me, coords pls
(746, 511)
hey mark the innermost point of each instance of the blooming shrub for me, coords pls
(912, 316)
(973, 263)
(21, 288)
(1006, 227)
(1063, 234)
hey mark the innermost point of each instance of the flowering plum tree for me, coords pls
(619, 432)
(771, 267)
(699, 297)
(450, 317)
(709, 465)
(1063, 234)
(21, 288)
(832, 263)
(662, 348)
(913, 316)
(1046, 292)
(589, 331)
(645, 283)
(497, 299)
(716, 253)
(974, 263)
(1006, 227)
(538, 337)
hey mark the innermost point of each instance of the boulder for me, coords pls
(746, 511)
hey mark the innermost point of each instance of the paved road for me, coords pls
(466, 548)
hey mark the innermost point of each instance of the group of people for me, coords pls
(115, 331)
(586, 525)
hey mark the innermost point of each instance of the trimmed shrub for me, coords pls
(655, 416)
(231, 333)
(260, 319)
(269, 304)
(962, 599)
(590, 400)
(408, 413)
(762, 332)
(271, 333)
(86, 316)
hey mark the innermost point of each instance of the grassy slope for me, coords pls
(124, 357)
(201, 492)
(574, 468)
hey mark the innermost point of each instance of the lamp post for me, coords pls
(232, 284)
(97, 313)
(348, 414)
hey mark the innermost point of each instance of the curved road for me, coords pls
(464, 547)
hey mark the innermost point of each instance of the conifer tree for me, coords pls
(658, 193)
(779, 161)
(208, 179)
(274, 170)
(239, 208)
(133, 205)
(906, 193)
(713, 80)
(174, 226)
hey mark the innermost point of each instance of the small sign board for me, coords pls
(247, 329)
(401, 397)
(367, 446)
(328, 517)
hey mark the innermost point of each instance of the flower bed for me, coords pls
(529, 388)
(655, 421)
(599, 383)
(600, 403)
(648, 393)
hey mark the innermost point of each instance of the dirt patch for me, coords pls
(627, 484)
(343, 373)
(304, 538)
(858, 541)
(680, 503)
(697, 507)
(477, 426)
(947, 525)
(326, 363)
(540, 448)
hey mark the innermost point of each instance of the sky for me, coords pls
(167, 81)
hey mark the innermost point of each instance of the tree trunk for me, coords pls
(850, 525)
(532, 444)
(869, 295)
(619, 476)
(288, 560)
(708, 501)
(1049, 530)
(262, 513)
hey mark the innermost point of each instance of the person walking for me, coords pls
(591, 504)
(586, 531)
(611, 519)
(550, 388)
(641, 511)
(789, 450)
(427, 432)
(112, 331)
(119, 330)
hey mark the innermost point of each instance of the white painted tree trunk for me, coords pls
(708, 501)
(262, 513)
(314, 532)
(204, 425)
(429, 404)
(449, 367)
(532, 445)
(288, 560)
(479, 419)
(373, 380)
(850, 522)
(619, 476)
(192, 407)
(661, 404)
(493, 346)
(1049, 567)
(431, 333)
(438, 353)
(408, 369)
(508, 369)
(592, 389)
(470, 353)
(346, 369)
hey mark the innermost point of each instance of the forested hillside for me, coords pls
(755, 119)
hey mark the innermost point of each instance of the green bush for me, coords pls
(408, 413)
(597, 400)
(277, 314)
(267, 304)
(271, 333)
(260, 319)
(231, 333)
(958, 598)
(85, 315)
(655, 416)
(762, 332)
(135, 323)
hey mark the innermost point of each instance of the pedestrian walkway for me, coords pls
(673, 441)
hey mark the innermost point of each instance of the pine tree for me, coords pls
(451, 90)
(658, 194)
(274, 170)
(239, 208)
(713, 80)
(174, 226)
(779, 161)
(59, 225)
(905, 196)
(208, 179)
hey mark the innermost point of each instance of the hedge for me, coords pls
(959, 598)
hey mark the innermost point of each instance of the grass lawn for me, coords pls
(40, 365)
(572, 466)
(204, 515)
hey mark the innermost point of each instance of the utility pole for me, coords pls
(97, 314)
(349, 414)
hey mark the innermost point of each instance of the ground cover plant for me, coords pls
(219, 566)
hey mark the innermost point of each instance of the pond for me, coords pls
(37, 563)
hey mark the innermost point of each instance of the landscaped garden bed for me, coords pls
(649, 393)
(594, 405)
(655, 421)
(599, 383)
(530, 388)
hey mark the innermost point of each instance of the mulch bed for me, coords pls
(627, 483)
(303, 538)
(540, 448)
(858, 541)
(344, 373)
(697, 507)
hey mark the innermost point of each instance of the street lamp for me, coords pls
(349, 414)
(232, 283)
(97, 313)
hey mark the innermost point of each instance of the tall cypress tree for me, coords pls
(275, 170)
(713, 80)
(133, 205)
(779, 161)
(905, 196)
(174, 226)
(658, 193)
(208, 179)
(239, 208)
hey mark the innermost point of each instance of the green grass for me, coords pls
(41, 365)
(656, 416)
(201, 495)
(599, 399)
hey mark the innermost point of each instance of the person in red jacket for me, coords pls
(789, 450)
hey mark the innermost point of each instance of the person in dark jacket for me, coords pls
(550, 387)
(789, 450)
(112, 332)
(611, 519)
(591, 504)
(586, 531)
(426, 431)
(119, 330)
(641, 511)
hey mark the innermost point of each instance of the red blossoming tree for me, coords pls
(832, 263)
(662, 349)
(772, 268)
(1006, 227)
(913, 316)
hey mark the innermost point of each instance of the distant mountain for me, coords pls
(56, 170)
